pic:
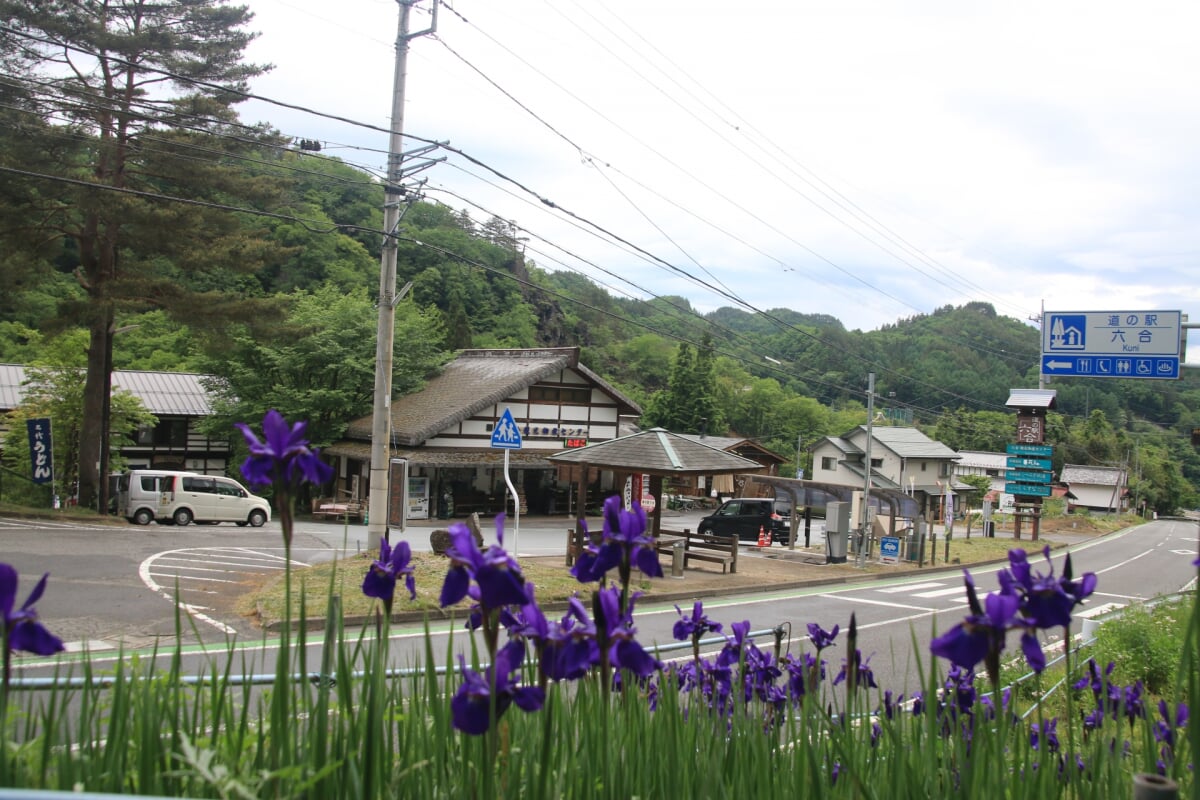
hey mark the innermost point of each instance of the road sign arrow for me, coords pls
(1059, 364)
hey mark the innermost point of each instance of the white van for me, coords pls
(183, 497)
(138, 493)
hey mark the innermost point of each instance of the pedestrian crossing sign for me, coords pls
(506, 435)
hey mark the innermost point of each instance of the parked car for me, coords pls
(138, 493)
(744, 516)
(179, 498)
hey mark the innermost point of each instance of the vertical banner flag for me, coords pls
(40, 450)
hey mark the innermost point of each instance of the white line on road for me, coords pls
(910, 587)
(852, 599)
(941, 592)
(205, 578)
(1120, 564)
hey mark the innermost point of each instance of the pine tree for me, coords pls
(130, 96)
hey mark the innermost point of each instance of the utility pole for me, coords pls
(866, 515)
(394, 198)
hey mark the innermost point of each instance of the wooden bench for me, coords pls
(326, 508)
(721, 550)
(576, 542)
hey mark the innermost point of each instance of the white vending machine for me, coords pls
(418, 498)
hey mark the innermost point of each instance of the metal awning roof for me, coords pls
(657, 452)
(1031, 398)
(888, 502)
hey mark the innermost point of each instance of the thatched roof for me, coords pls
(473, 381)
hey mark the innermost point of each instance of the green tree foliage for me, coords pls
(986, 431)
(322, 366)
(689, 404)
(334, 237)
(123, 95)
(479, 283)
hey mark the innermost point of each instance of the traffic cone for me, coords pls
(763, 541)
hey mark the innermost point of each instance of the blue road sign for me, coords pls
(1112, 344)
(506, 435)
(1017, 462)
(1111, 366)
(889, 548)
(1034, 489)
(1036, 450)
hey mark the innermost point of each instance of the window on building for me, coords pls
(560, 394)
(827, 463)
(171, 433)
(876, 463)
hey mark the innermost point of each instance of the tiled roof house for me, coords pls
(902, 458)
(1095, 488)
(178, 399)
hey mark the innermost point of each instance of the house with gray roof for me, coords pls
(902, 459)
(179, 400)
(723, 484)
(444, 431)
(1102, 489)
(993, 466)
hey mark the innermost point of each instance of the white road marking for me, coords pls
(864, 601)
(193, 555)
(204, 578)
(911, 587)
(941, 592)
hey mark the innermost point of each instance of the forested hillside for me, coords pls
(189, 240)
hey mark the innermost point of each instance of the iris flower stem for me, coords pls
(1070, 700)
(548, 744)
(625, 571)
(5, 645)
(490, 621)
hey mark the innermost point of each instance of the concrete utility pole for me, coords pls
(394, 198)
(865, 535)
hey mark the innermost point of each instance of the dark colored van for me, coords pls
(744, 516)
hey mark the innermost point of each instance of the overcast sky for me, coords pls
(871, 160)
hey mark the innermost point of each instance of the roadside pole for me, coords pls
(864, 533)
(394, 198)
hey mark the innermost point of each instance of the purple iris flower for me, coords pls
(623, 543)
(470, 708)
(571, 649)
(1047, 600)
(624, 650)
(492, 578)
(380, 580)
(859, 669)
(566, 649)
(760, 674)
(821, 638)
(802, 671)
(732, 651)
(1048, 732)
(24, 631)
(695, 625)
(981, 634)
(283, 457)
(1164, 729)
